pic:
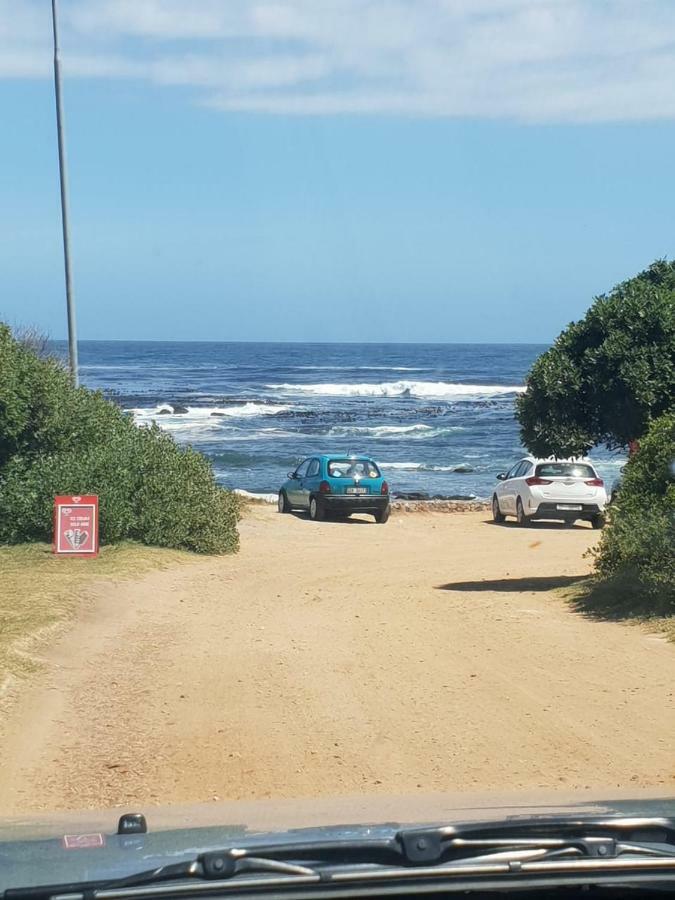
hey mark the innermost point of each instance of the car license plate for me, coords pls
(569, 506)
(358, 490)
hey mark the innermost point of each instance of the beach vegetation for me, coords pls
(607, 376)
(635, 559)
(57, 439)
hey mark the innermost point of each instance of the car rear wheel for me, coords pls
(598, 521)
(316, 510)
(382, 515)
(283, 505)
(523, 520)
(497, 514)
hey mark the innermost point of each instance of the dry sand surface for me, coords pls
(430, 654)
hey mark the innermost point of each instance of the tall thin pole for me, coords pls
(63, 175)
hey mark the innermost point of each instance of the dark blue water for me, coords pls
(439, 418)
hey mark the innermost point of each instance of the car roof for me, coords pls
(541, 460)
(560, 459)
(346, 456)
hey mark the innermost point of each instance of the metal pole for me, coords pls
(63, 175)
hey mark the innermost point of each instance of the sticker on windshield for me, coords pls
(83, 841)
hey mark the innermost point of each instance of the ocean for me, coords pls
(438, 418)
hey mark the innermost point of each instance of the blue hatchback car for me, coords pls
(336, 484)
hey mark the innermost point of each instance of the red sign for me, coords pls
(83, 841)
(76, 526)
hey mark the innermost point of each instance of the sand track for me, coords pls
(430, 654)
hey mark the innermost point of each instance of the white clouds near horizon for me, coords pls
(523, 60)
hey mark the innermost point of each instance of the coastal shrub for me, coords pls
(55, 439)
(179, 503)
(635, 560)
(28, 486)
(40, 411)
(607, 376)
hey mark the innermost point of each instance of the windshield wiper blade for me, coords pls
(589, 837)
(207, 866)
(498, 848)
(287, 859)
(218, 864)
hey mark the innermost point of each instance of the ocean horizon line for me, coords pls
(307, 343)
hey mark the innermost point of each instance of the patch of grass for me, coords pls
(618, 599)
(39, 592)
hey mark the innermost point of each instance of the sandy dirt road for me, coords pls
(430, 654)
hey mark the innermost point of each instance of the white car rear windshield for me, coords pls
(564, 470)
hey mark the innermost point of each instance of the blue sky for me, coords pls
(446, 171)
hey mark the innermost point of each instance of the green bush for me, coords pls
(40, 411)
(607, 376)
(55, 439)
(635, 560)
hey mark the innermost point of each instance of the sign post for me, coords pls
(75, 526)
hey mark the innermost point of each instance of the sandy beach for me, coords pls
(435, 653)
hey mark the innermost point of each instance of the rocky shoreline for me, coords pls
(405, 504)
(439, 505)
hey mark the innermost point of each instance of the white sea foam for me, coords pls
(183, 429)
(419, 389)
(267, 498)
(415, 467)
(384, 431)
(251, 409)
(198, 413)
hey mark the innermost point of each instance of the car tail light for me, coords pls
(595, 482)
(324, 488)
(534, 480)
(385, 488)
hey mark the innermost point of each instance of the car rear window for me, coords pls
(565, 470)
(348, 468)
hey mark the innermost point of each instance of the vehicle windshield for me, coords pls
(352, 468)
(564, 470)
(337, 431)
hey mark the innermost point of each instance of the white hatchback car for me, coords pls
(567, 489)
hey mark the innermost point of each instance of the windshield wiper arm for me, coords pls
(214, 865)
(590, 837)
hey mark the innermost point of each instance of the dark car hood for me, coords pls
(33, 851)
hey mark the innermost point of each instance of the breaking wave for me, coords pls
(196, 413)
(423, 467)
(384, 431)
(420, 389)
